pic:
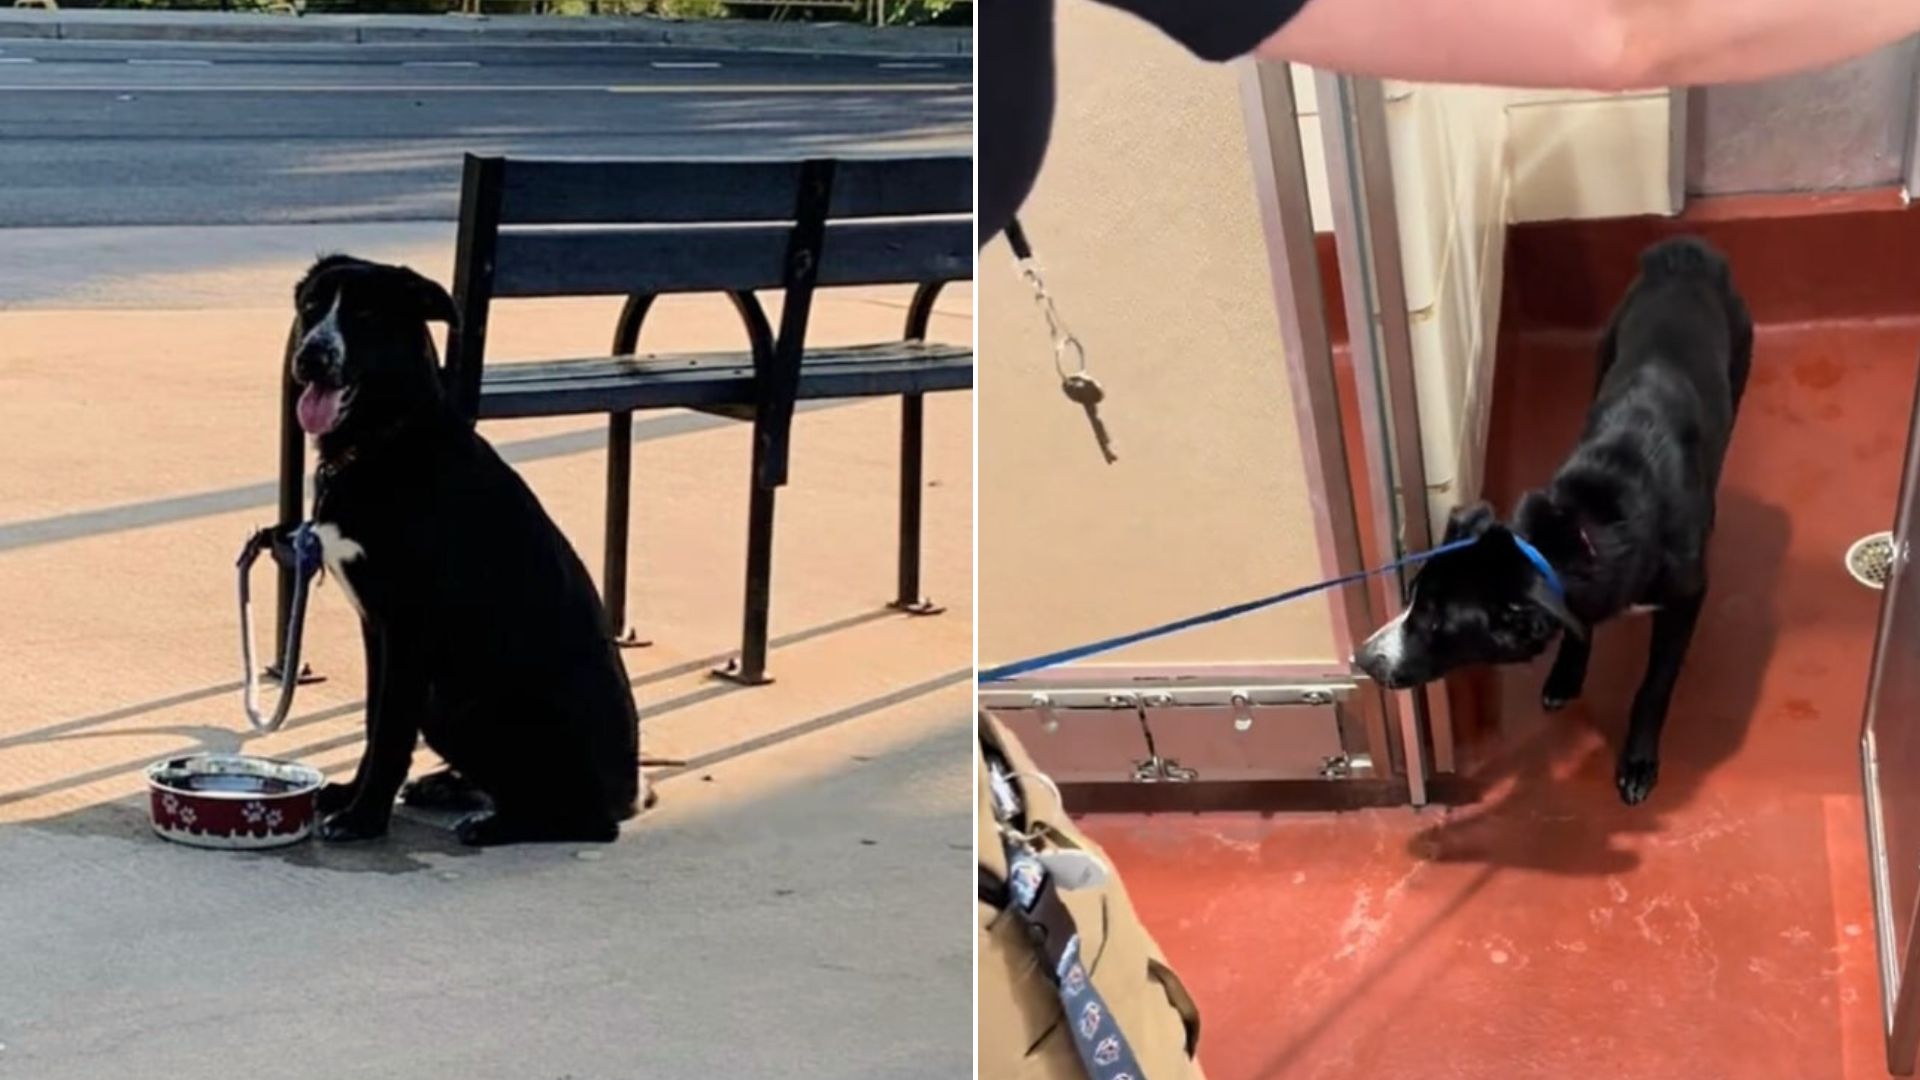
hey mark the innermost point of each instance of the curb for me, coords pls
(838, 39)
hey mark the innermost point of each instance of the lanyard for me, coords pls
(1032, 894)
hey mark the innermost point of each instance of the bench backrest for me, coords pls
(531, 228)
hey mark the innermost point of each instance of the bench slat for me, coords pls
(609, 262)
(560, 192)
(711, 380)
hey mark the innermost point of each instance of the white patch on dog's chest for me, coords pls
(337, 551)
(1643, 609)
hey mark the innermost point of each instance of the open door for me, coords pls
(1890, 763)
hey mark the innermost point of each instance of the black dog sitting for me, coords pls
(483, 631)
(1624, 524)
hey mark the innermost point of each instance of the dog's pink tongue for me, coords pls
(319, 410)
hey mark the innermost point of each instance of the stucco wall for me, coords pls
(1146, 222)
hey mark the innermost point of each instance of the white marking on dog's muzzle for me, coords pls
(1389, 643)
(326, 336)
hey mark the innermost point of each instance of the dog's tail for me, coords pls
(1684, 257)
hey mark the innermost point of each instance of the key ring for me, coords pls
(1058, 332)
(1062, 336)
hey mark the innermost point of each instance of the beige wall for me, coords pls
(1566, 153)
(1146, 223)
(1573, 154)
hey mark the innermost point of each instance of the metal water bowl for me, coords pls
(232, 801)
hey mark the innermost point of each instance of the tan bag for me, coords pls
(1021, 1033)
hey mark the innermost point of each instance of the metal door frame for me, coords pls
(1366, 230)
(1900, 990)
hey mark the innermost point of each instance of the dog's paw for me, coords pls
(1559, 693)
(490, 829)
(350, 825)
(1635, 778)
(484, 829)
(334, 798)
(443, 790)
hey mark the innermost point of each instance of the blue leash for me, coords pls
(1081, 652)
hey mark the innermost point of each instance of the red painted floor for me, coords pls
(1721, 930)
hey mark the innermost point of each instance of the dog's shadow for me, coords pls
(1545, 798)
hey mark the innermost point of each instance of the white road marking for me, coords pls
(823, 88)
(169, 63)
(498, 88)
(440, 63)
(16, 60)
(685, 65)
(909, 65)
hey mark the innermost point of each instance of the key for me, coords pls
(1083, 390)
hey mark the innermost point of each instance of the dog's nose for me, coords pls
(1367, 661)
(311, 364)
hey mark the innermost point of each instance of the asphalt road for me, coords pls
(151, 133)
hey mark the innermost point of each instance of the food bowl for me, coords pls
(232, 801)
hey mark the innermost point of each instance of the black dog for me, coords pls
(483, 631)
(1624, 524)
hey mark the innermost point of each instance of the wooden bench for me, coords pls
(646, 229)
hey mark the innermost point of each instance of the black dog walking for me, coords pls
(1624, 524)
(483, 632)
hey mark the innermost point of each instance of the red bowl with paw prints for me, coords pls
(232, 801)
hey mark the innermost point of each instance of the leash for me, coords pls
(1541, 564)
(1079, 652)
(301, 550)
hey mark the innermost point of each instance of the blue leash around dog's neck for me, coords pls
(1541, 564)
(1080, 652)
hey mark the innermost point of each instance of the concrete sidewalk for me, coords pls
(842, 38)
(795, 906)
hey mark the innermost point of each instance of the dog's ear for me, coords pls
(1549, 600)
(1551, 525)
(427, 296)
(320, 266)
(1470, 522)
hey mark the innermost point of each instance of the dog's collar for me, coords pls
(333, 466)
(1541, 564)
(329, 466)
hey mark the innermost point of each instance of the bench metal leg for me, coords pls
(750, 667)
(619, 503)
(912, 460)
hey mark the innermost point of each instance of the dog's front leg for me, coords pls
(1569, 674)
(334, 798)
(1639, 767)
(397, 692)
